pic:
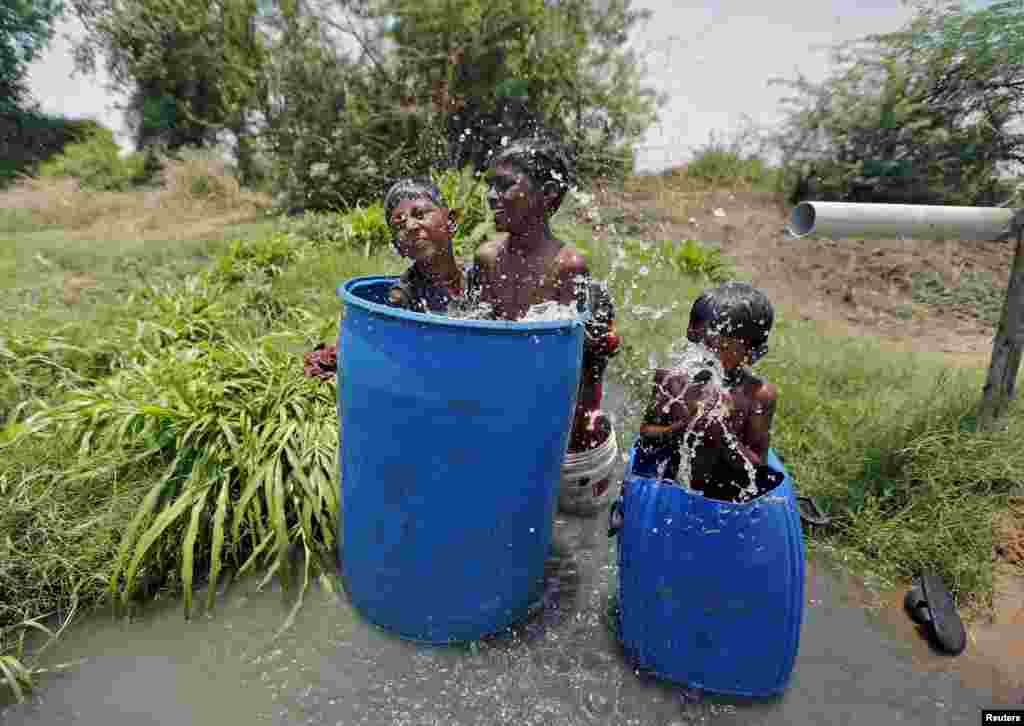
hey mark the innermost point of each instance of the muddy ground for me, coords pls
(852, 287)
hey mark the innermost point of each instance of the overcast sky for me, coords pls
(712, 58)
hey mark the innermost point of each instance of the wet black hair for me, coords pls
(543, 160)
(737, 310)
(411, 188)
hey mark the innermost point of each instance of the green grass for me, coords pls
(161, 433)
(978, 291)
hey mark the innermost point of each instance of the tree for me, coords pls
(26, 28)
(191, 68)
(933, 103)
(500, 67)
(333, 125)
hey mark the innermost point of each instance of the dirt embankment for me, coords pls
(852, 287)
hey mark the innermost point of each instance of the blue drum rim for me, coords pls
(771, 460)
(346, 291)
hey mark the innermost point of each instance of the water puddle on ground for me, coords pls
(562, 667)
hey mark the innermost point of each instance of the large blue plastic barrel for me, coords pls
(711, 593)
(453, 434)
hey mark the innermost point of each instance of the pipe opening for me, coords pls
(801, 222)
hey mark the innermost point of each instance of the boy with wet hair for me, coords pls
(423, 225)
(733, 321)
(527, 181)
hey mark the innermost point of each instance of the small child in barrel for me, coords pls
(732, 321)
(423, 226)
(527, 181)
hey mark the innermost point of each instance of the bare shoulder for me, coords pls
(764, 396)
(487, 253)
(570, 261)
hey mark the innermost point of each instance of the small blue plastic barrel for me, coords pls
(711, 593)
(453, 434)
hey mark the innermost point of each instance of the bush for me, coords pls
(95, 163)
(718, 163)
(466, 192)
(28, 138)
(689, 257)
(247, 445)
(362, 228)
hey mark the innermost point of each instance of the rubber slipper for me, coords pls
(946, 625)
(810, 512)
(916, 606)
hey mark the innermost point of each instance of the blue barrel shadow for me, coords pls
(453, 434)
(711, 593)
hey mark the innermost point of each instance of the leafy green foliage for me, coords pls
(248, 449)
(361, 228)
(466, 192)
(471, 63)
(26, 27)
(689, 257)
(96, 164)
(975, 290)
(28, 138)
(265, 257)
(937, 95)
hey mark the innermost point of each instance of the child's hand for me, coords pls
(727, 403)
(702, 398)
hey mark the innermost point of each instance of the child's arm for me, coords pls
(753, 443)
(669, 409)
(570, 266)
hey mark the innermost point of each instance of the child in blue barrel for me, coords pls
(423, 225)
(732, 321)
(527, 181)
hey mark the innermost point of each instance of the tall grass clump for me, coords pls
(246, 446)
(886, 442)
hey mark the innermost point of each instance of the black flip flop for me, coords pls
(946, 626)
(811, 512)
(916, 606)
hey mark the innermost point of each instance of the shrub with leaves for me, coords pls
(466, 192)
(362, 228)
(248, 449)
(266, 257)
(96, 164)
(688, 257)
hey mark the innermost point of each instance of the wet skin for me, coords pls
(531, 266)
(750, 406)
(423, 233)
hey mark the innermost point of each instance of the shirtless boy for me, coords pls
(733, 321)
(527, 182)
